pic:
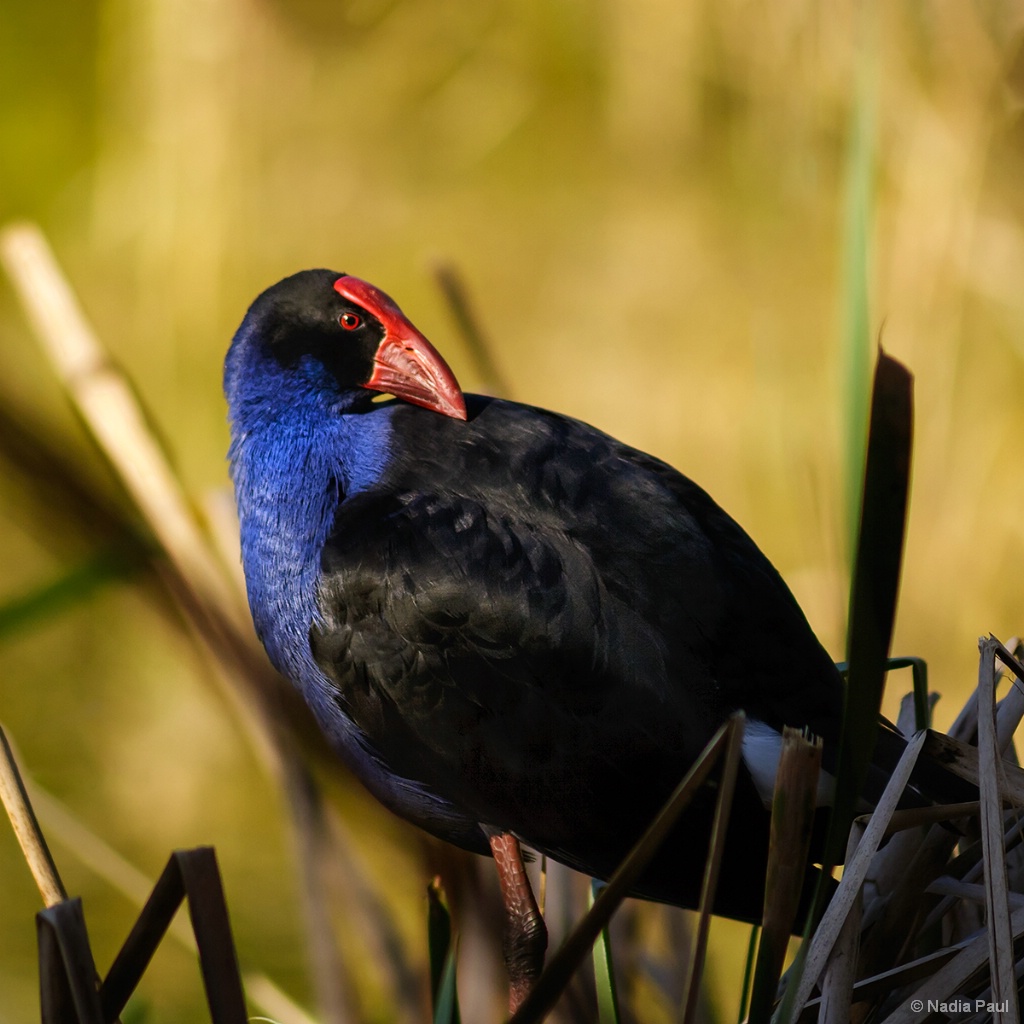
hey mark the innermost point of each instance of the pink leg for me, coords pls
(526, 937)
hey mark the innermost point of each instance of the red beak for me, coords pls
(405, 364)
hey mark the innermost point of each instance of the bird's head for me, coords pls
(320, 328)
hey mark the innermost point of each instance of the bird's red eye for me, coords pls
(350, 321)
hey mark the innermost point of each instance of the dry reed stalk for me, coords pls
(997, 915)
(716, 846)
(1009, 712)
(841, 970)
(855, 872)
(971, 891)
(970, 876)
(110, 408)
(26, 827)
(946, 982)
(963, 760)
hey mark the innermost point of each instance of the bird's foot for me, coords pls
(525, 937)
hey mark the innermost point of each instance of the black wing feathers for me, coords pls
(527, 616)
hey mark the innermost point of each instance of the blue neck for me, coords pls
(291, 472)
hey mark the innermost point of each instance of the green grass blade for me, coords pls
(604, 971)
(446, 1001)
(442, 952)
(919, 676)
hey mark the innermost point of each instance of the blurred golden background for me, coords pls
(647, 202)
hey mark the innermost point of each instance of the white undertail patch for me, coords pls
(762, 748)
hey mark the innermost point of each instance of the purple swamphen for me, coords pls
(509, 625)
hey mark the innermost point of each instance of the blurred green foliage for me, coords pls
(646, 201)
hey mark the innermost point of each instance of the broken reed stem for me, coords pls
(26, 827)
(793, 805)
